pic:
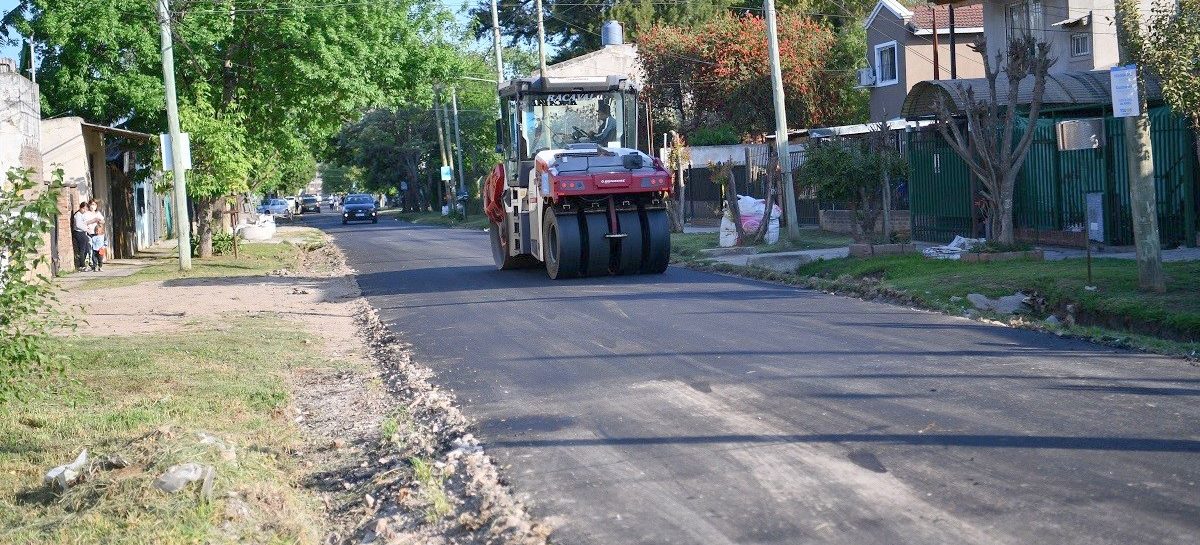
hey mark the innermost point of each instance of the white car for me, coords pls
(276, 207)
(294, 204)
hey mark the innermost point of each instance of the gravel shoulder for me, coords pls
(381, 453)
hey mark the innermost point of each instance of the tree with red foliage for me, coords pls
(719, 72)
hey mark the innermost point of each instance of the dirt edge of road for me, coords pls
(396, 460)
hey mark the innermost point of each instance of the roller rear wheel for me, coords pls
(629, 254)
(599, 249)
(656, 248)
(505, 262)
(563, 245)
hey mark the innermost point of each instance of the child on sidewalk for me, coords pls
(99, 247)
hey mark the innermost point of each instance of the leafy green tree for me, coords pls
(1172, 52)
(719, 72)
(27, 299)
(266, 83)
(573, 28)
(852, 170)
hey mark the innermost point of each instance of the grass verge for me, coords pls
(686, 247)
(474, 221)
(253, 259)
(1115, 313)
(146, 399)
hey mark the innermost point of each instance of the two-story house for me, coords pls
(1081, 33)
(1078, 150)
(901, 52)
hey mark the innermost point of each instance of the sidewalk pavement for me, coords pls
(1177, 254)
(115, 268)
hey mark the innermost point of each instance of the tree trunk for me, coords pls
(204, 232)
(731, 200)
(856, 225)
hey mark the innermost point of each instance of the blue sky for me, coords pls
(8, 51)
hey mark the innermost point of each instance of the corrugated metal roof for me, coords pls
(1073, 88)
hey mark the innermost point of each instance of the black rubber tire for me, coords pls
(505, 262)
(344, 222)
(656, 248)
(374, 220)
(629, 252)
(563, 245)
(598, 249)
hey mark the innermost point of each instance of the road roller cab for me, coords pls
(573, 191)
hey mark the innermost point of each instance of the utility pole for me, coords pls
(183, 232)
(541, 40)
(451, 192)
(544, 129)
(1139, 157)
(953, 44)
(781, 130)
(437, 113)
(462, 185)
(937, 66)
(496, 43)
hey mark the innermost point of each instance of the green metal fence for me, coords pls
(939, 189)
(1050, 192)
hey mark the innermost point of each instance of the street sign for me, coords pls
(1095, 216)
(1125, 100)
(403, 186)
(164, 149)
(447, 174)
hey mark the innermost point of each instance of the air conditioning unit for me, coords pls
(1080, 134)
(866, 77)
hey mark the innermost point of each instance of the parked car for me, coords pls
(293, 203)
(310, 204)
(359, 207)
(276, 207)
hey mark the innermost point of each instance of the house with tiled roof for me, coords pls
(909, 45)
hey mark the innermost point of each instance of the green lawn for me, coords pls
(688, 246)
(223, 378)
(253, 259)
(1115, 303)
(474, 221)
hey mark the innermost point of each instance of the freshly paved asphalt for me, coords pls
(697, 408)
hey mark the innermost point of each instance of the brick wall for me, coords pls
(838, 221)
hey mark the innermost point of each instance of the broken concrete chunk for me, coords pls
(178, 476)
(1009, 304)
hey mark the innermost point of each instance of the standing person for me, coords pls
(79, 236)
(99, 246)
(91, 219)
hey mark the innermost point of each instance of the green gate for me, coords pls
(939, 189)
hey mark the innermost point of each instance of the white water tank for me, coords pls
(612, 34)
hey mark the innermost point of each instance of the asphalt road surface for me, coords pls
(698, 408)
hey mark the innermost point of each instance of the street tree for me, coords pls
(719, 72)
(987, 143)
(854, 170)
(267, 85)
(573, 28)
(1172, 53)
